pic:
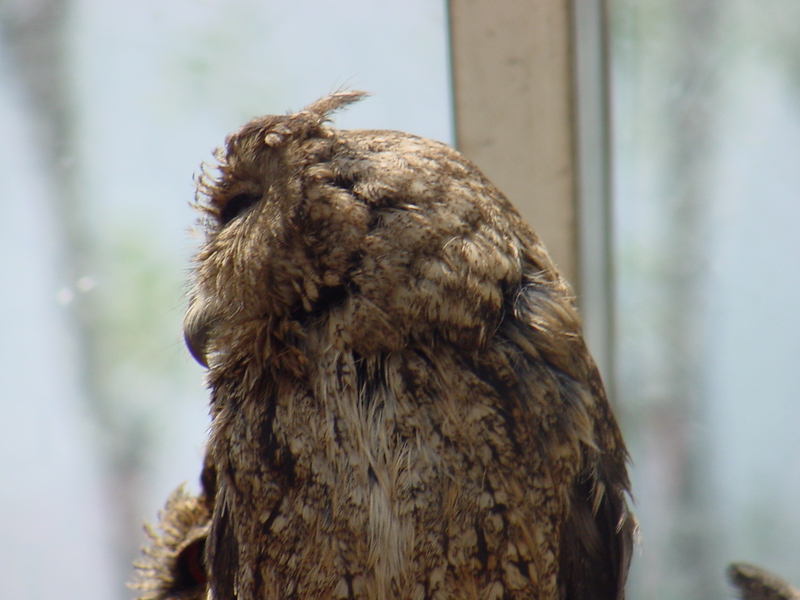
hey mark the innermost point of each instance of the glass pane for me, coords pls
(706, 145)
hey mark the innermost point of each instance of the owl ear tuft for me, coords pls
(324, 107)
(275, 131)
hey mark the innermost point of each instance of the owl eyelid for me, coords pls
(236, 206)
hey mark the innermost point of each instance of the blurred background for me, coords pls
(107, 109)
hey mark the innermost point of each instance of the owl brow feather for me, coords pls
(272, 132)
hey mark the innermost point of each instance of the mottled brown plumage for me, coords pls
(402, 403)
(173, 565)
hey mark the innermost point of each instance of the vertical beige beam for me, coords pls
(512, 88)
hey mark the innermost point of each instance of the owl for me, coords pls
(402, 403)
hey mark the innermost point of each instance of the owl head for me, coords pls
(387, 237)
